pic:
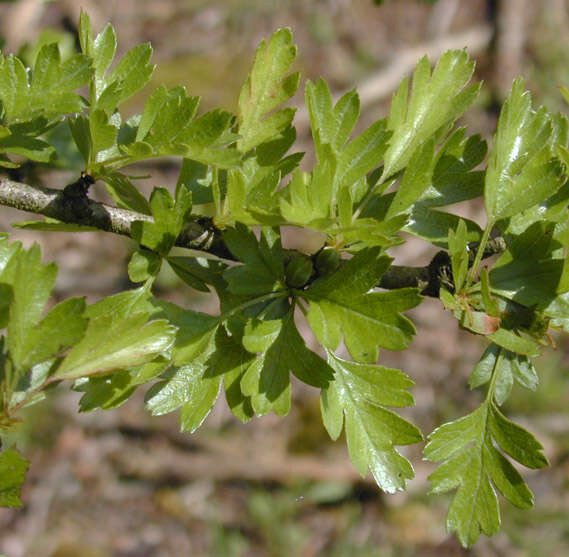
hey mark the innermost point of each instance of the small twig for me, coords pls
(66, 206)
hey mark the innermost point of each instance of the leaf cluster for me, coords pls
(401, 175)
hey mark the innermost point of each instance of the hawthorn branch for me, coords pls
(199, 233)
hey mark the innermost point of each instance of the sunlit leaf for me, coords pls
(471, 462)
(267, 86)
(436, 100)
(342, 304)
(357, 395)
(521, 171)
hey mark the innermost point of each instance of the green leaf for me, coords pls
(524, 371)
(166, 115)
(516, 441)
(251, 195)
(267, 87)
(455, 177)
(143, 264)
(306, 200)
(106, 392)
(103, 134)
(8, 250)
(125, 194)
(197, 178)
(526, 279)
(28, 387)
(197, 272)
(436, 101)
(331, 128)
(521, 171)
(194, 334)
(364, 233)
(489, 303)
(60, 329)
(362, 154)
(112, 343)
(263, 271)
(79, 128)
(471, 461)
(21, 140)
(271, 152)
(103, 53)
(123, 304)
(230, 360)
(5, 301)
(188, 385)
(515, 343)
(13, 468)
(483, 369)
(189, 389)
(417, 177)
(113, 390)
(169, 218)
(433, 226)
(330, 125)
(85, 33)
(282, 336)
(32, 283)
(167, 127)
(497, 361)
(342, 303)
(130, 75)
(359, 392)
(53, 225)
(49, 92)
(280, 350)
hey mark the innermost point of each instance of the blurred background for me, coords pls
(122, 484)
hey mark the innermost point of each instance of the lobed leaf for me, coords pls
(307, 198)
(416, 179)
(280, 350)
(189, 389)
(112, 344)
(263, 271)
(169, 215)
(341, 303)
(455, 177)
(130, 75)
(60, 329)
(167, 127)
(436, 100)
(331, 128)
(230, 361)
(266, 88)
(472, 463)
(521, 171)
(357, 395)
(31, 283)
(125, 194)
(49, 93)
